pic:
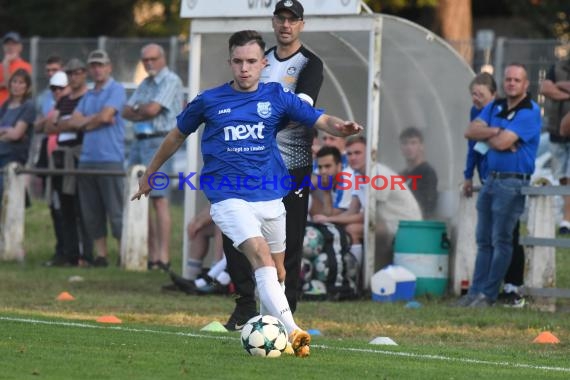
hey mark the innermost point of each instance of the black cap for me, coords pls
(292, 6)
(12, 36)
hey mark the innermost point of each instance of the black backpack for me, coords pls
(343, 278)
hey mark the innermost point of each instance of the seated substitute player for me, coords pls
(328, 198)
(244, 176)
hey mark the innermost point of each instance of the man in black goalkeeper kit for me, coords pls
(301, 71)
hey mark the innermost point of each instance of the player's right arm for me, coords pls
(337, 127)
(173, 140)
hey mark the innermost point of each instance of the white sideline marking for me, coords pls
(364, 350)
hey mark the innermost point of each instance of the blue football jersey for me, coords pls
(239, 148)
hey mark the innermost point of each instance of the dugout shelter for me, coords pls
(385, 72)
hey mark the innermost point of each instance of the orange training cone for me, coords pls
(109, 319)
(546, 337)
(65, 296)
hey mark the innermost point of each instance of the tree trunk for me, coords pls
(455, 24)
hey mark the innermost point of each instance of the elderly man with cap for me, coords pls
(98, 116)
(12, 46)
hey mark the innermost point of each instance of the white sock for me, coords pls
(218, 268)
(200, 282)
(356, 250)
(193, 268)
(273, 298)
(224, 278)
(262, 309)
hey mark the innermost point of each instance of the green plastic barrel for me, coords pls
(422, 247)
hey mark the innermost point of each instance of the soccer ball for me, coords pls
(306, 270)
(313, 242)
(264, 335)
(321, 267)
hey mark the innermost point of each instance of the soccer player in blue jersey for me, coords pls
(298, 69)
(243, 166)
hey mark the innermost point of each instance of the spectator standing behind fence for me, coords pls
(556, 88)
(300, 71)
(483, 89)
(98, 115)
(153, 108)
(45, 105)
(17, 116)
(77, 247)
(11, 62)
(511, 130)
(413, 150)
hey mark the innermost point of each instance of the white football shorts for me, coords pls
(241, 220)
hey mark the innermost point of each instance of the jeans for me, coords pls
(499, 206)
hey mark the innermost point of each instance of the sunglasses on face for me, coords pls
(280, 19)
(56, 88)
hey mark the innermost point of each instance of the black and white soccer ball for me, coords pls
(264, 335)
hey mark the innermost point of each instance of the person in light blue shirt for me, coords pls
(153, 108)
(244, 176)
(98, 115)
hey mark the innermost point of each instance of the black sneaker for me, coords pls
(100, 262)
(165, 267)
(170, 288)
(514, 301)
(212, 287)
(239, 318)
(57, 261)
(187, 286)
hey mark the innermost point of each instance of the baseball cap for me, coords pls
(292, 6)
(98, 56)
(74, 64)
(59, 79)
(12, 36)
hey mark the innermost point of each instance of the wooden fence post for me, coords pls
(134, 238)
(540, 261)
(465, 246)
(13, 214)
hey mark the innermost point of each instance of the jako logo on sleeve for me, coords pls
(242, 132)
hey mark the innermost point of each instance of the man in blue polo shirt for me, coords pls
(98, 115)
(244, 176)
(508, 131)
